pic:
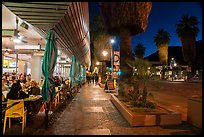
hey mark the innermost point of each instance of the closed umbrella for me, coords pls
(77, 76)
(48, 65)
(84, 74)
(72, 71)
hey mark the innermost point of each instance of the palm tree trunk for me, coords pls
(125, 54)
(103, 76)
(163, 56)
(189, 50)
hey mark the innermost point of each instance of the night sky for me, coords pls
(163, 15)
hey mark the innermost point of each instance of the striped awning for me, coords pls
(70, 21)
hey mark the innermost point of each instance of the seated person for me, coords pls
(4, 86)
(34, 89)
(22, 79)
(42, 81)
(57, 82)
(16, 92)
(28, 80)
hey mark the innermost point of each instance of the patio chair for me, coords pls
(57, 97)
(16, 111)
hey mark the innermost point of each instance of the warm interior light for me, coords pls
(62, 61)
(97, 63)
(16, 40)
(27, 47)
(67, 65)
(39, 53)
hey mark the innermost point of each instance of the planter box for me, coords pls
(140, 119)
(102, 85)
(194, 112)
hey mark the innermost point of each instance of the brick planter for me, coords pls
(139, 119)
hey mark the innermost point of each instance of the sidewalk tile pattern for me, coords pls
(74, 120)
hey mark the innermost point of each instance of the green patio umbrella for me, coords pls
(72, 71)
(48, 65)
(77, 77)
(84, 74)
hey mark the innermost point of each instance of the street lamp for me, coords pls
(112, 42)
(105, 53)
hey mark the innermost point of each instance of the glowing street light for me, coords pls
(105, 53)
(112, 41)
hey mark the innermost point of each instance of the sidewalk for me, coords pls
(92, 112)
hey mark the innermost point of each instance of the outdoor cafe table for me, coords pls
(33, 103)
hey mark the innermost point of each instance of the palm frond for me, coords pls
(139, 50)
(187, 26)
(162, 37)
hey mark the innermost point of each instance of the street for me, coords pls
(174, 95)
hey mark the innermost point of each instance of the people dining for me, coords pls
(34, 88)
(28, 80)
(16, 92)
(22, 79)
(57, 82)
(62, 82)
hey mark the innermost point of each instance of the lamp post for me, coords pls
(105, 53)
(112, 42)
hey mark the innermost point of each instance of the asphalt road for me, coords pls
(175, 95)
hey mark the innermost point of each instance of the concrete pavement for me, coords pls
(91, 112)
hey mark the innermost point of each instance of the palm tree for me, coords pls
(162, 40)
(139, 54)
(139, 51)
(187, 31)
(125, 19)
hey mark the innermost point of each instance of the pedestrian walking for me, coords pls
(96, 79)
(92, 78)
(88, 78)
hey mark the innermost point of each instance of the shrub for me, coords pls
(151, 105)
